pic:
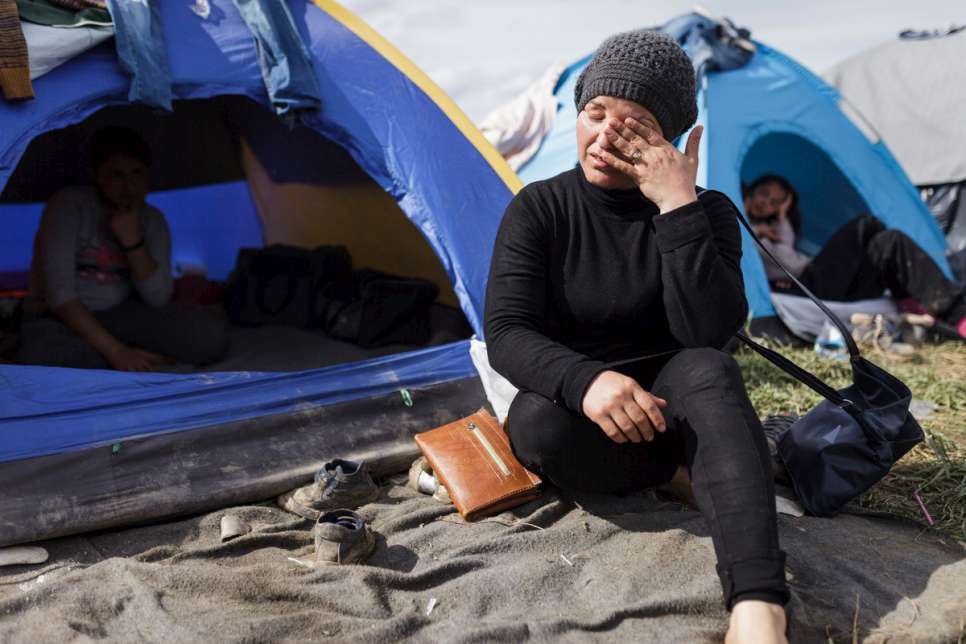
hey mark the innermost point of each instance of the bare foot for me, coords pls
(680, 487)
(756, 622)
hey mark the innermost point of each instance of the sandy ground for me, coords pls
(557, 569)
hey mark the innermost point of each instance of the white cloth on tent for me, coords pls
(499, 391)
(517, 128)
(803, 317)
(50, 47)
(913, 92)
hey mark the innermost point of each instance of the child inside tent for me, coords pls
(100, 282)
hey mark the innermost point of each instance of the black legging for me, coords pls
(863, 258)
(711, 427)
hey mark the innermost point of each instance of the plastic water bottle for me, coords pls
(830, 343)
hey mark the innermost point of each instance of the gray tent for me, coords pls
(912, 92)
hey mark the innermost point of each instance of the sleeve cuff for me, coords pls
(681, 226)
(156, 289)
(54, 300)
(577, 381)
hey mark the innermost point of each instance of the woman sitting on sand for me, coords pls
(612, 288)
(858, 262)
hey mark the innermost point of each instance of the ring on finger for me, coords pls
(636, 155)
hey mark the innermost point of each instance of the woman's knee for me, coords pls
(538, 428)
(886, 239)
(701, 367)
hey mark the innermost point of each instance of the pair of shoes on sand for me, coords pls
(341, 535)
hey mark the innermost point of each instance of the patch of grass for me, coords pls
(934, 469)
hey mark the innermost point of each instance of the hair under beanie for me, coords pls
(649, 68)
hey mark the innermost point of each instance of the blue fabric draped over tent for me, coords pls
(396, 125)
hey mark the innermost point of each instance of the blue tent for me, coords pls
(120, 438)
(774, 116)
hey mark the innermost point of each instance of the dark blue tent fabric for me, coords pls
(774, 116)
(415, 145)
(47, 411)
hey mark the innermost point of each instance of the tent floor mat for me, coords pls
(285, 348)
(609, 569)
(197, 470)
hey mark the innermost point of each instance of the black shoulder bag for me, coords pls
(850, 440)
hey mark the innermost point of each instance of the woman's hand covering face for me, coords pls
(661, 172)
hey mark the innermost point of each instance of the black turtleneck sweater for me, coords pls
(581, 276)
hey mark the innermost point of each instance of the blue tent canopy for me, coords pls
(772, 116)
(390, 118)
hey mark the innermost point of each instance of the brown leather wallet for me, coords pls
(472, 458)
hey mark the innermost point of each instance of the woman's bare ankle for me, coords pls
(756, 622)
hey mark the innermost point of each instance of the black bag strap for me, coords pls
(802, 375)
(850, 344)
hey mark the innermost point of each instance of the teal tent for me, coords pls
(772, 115)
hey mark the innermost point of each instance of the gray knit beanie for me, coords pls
(649, 68)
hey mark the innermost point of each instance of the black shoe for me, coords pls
(775, 427)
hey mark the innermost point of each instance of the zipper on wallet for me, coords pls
(485, 442)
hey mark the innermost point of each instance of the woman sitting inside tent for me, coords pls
(612, 288)
(858, 262)
(100, 283)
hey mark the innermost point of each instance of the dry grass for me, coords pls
(935, 469)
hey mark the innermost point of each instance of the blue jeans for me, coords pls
(284, 60)
(140, 50)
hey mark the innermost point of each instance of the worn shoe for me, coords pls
(775, 426)
(422, 479)
(342, 537)
(339, 484)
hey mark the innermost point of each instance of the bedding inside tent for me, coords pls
(228, 174)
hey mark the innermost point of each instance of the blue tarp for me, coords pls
(396, 132)
(774, 116)
(59, 410)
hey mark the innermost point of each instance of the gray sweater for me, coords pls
(77, 257)
(784, 250)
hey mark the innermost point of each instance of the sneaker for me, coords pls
(339, 484)
(422, 479)
(953, 321)
(775, 426)
(342, 537)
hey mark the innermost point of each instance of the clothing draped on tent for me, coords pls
(14, 64)
(517, 128)
(283, 58)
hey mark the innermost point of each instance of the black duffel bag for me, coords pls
(375, 309)
(849, 441)
(280, 284)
